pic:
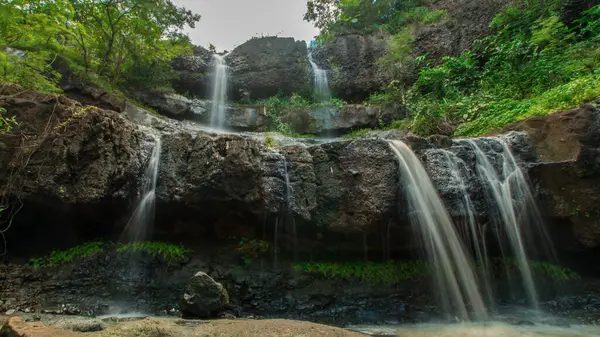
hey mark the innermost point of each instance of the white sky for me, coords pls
(229, 23)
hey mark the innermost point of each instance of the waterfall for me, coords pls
(219, 93)
(472, 231)
(143, 216)
(289, 212)
(452, 268)
(320, 82)
(509, 199)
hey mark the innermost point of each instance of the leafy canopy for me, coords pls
(120, 41)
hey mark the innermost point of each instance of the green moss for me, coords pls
(60, 257)
(375, 273)
(367, 272)
(169, 252)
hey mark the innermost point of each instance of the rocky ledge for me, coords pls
(83, 165)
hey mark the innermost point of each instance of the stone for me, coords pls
(264, 67)
(169, 104)
(203, 297)
(10, 312)
(334, 121)
(18, 328)
(352, 64)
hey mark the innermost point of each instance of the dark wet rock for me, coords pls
(169, 104)
(203, 297)
(351, 62)
(567, 172)
(193, 73)
(267, 66)
(356, 184)
(334, 121)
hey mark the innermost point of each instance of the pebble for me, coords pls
(10, 312)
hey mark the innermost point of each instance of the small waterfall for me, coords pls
(143, 216)
(320, 82)
(509, 196)
(289, 211)
(472, 231)
(453, 270)
(219, 93)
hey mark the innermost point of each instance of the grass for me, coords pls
(397, 272)
(373, 273)
(500, 113)
(168, 252)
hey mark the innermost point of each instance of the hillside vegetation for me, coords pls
(540, 58)
(113, 42)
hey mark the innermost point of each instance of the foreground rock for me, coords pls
(16, 327)
(203, 297)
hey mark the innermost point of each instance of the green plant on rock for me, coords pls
(60, 257)
(250, 250)
(170, 253)
(539, 269)
(6, 122)
(372, 273)
(269, 140)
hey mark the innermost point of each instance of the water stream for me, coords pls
(454, 275)
(219, 92)
(507, 192)
(320, 82)
(143, 216)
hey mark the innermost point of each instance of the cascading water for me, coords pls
(289, 213)
(472, 231)
(320, 82)
(509, 197)
(453, 270)
(143, 216)
(219, 93)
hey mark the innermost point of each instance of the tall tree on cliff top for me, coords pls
(338, 17)
(124, 27)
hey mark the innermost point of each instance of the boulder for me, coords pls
(335, 121)
(352, 64)
(168, 104)
(203, 297)
(265, 67)
(193, 73)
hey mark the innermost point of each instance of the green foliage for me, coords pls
(250, 250)
(357, 133)
(128, 42)
(6, 122)
(534, 65)
(275, 105)
(170, 253)
(60, 257)
(269, 140)
(372, 273)
(342, 17)
(539, 269)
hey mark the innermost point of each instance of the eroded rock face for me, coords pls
(267, 66)
(214, 185)
(335, 121)
(194, 73)
(203, 297)
(352, 64)
(567, 177)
